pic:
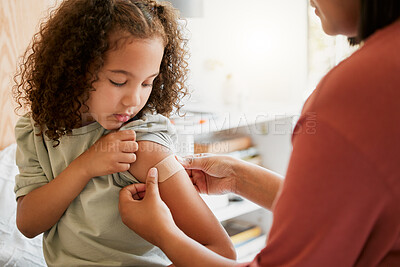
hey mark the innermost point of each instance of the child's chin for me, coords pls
(112, 126)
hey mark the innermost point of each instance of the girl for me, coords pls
(97, 65)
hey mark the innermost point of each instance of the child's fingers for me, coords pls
(127, 158)
(120, 167)
(127, 135)
(129, 146)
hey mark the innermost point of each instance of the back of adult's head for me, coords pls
(375, 15)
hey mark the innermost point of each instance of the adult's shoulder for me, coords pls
(366, 84)
(358, 99)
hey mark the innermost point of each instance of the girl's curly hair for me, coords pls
(57, 71)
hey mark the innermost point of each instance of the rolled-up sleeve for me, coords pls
(154, 128)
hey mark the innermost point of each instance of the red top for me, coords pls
(340, 203)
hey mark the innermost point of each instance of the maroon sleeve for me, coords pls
(329, 203)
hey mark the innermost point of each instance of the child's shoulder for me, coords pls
(26, 131)
(25, 123)
(150, 123)
(155, 128)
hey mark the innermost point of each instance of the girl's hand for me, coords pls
(211, 174)
(112, 153)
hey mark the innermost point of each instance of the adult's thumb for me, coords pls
(152, 183)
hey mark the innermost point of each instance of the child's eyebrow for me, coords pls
(127, 73)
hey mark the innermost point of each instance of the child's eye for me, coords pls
(117, 84)
(147, 84)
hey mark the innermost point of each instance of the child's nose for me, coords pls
(132, 98)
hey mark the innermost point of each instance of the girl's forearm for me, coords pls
(39, 210)
(184, 251)
(257, 184)
(223, 249)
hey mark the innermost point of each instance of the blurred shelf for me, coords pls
(234, 209)
(247, 252)
(206, 123)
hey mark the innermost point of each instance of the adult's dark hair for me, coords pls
(375, 15)
(58, 69)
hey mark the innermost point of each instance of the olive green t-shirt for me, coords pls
(90, 233)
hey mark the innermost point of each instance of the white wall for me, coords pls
(19, 21)
(262, 43)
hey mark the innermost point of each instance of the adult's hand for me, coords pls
(212, 174)
(218, 174)
(152, 220)
(143, 211)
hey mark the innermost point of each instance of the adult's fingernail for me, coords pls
(181, 160)
(153, 172)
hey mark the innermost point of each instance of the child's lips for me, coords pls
(122, 117)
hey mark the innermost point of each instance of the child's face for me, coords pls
(125, 82)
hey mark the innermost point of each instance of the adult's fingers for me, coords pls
(125, 195)
(139, 195)
(189, 172)
(197, 161)
(135, 189)
(132, 192)
(152, 184)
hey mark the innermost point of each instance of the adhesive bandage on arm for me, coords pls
(167, 167)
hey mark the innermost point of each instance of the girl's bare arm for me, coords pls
(39, 210)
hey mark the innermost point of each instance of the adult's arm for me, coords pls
(150, 218)
(331, 200)
(258, 184)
